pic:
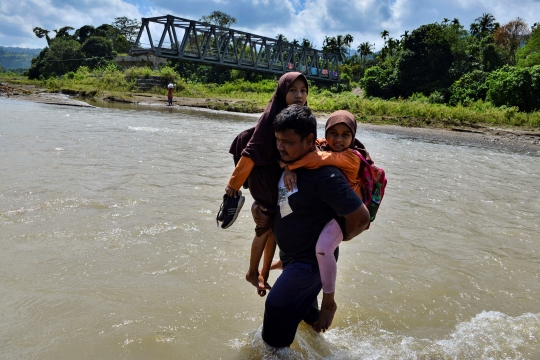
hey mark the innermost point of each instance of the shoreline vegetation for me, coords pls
(111, 84)
(480, 122)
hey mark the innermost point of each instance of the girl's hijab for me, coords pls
(345, 117)
(259, 142)
(342, 117)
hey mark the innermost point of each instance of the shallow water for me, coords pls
(109, 247)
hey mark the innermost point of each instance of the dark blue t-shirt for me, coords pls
(322, 194)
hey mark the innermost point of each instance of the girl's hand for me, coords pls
(289, 178)
(230, 191)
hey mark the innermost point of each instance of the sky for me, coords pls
(296, 19)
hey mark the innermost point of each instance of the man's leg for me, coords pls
(291, 299)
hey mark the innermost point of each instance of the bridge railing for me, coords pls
(185, 39)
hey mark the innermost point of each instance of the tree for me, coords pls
(364, 49)
(129, 28)
(63, 32)
(384, 35)
(40, 33)
(510, 36)
(219, 18)
(84, 32)
(423, 64)
(307, 43)
(529, 54)
(484, 25)
(281, 37)
(338, 45)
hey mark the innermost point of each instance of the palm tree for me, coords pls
(392, 45)
(364, 49)
(306, 43)
(455, 21)
(338, 45)
(484, 25)
(281, 37)
(384, 35)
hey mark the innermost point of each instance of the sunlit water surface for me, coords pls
(109, 247)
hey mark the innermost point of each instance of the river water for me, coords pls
(109, 247)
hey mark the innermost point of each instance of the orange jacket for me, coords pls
(346, 161)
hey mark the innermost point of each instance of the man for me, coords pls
(320, 196)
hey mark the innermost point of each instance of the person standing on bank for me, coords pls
(170, 90)
(321, 195)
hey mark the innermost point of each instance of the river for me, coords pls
(109, 247)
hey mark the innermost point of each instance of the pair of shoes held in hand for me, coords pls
(229, 209)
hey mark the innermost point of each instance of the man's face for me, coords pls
(291, 147)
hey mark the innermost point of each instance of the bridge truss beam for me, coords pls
(196, 41)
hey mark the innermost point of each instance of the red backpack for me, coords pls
(373, 181)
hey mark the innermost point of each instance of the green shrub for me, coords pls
(513, 86)
(469, 88)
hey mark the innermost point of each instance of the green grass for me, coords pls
(417, 111)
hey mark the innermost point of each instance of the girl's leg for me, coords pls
(328, 241)
(257, 247)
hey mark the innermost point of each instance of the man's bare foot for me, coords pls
(276, 265)
(253, 278)
(259, 282)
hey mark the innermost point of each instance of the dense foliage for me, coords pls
(87, 46)
(448, 64)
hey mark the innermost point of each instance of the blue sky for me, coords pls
(296, 19)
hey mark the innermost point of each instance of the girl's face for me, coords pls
(297, 93)
(339, 137)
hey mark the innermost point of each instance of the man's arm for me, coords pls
(337, 193)
(356, 222)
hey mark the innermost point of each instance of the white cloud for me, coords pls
(296, 19)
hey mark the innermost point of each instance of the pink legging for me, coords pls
(327, 243)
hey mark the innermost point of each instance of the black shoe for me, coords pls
(229, 210)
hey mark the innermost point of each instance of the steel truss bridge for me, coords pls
(196, 41)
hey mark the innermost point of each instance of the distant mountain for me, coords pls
(17, 58)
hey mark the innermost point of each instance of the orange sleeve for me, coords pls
(347, 161)
(241, 172)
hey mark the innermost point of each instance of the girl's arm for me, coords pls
(347, 161)
(239, 175)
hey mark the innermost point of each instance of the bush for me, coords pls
(469, 88)
(511, 86)
(436, 98)
(378, 82)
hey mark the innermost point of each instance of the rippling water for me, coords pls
(109, 247)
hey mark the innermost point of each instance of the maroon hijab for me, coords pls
(345, 117)
(259, 142)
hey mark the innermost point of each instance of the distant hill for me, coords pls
(17, 58)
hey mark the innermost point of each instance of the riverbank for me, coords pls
(515, 139)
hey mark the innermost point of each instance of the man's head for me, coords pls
(296, 130)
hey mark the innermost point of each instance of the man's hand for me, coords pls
(356, 222)
(260, 218)
(230, 191)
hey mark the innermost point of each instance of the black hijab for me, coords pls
(259, 142)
